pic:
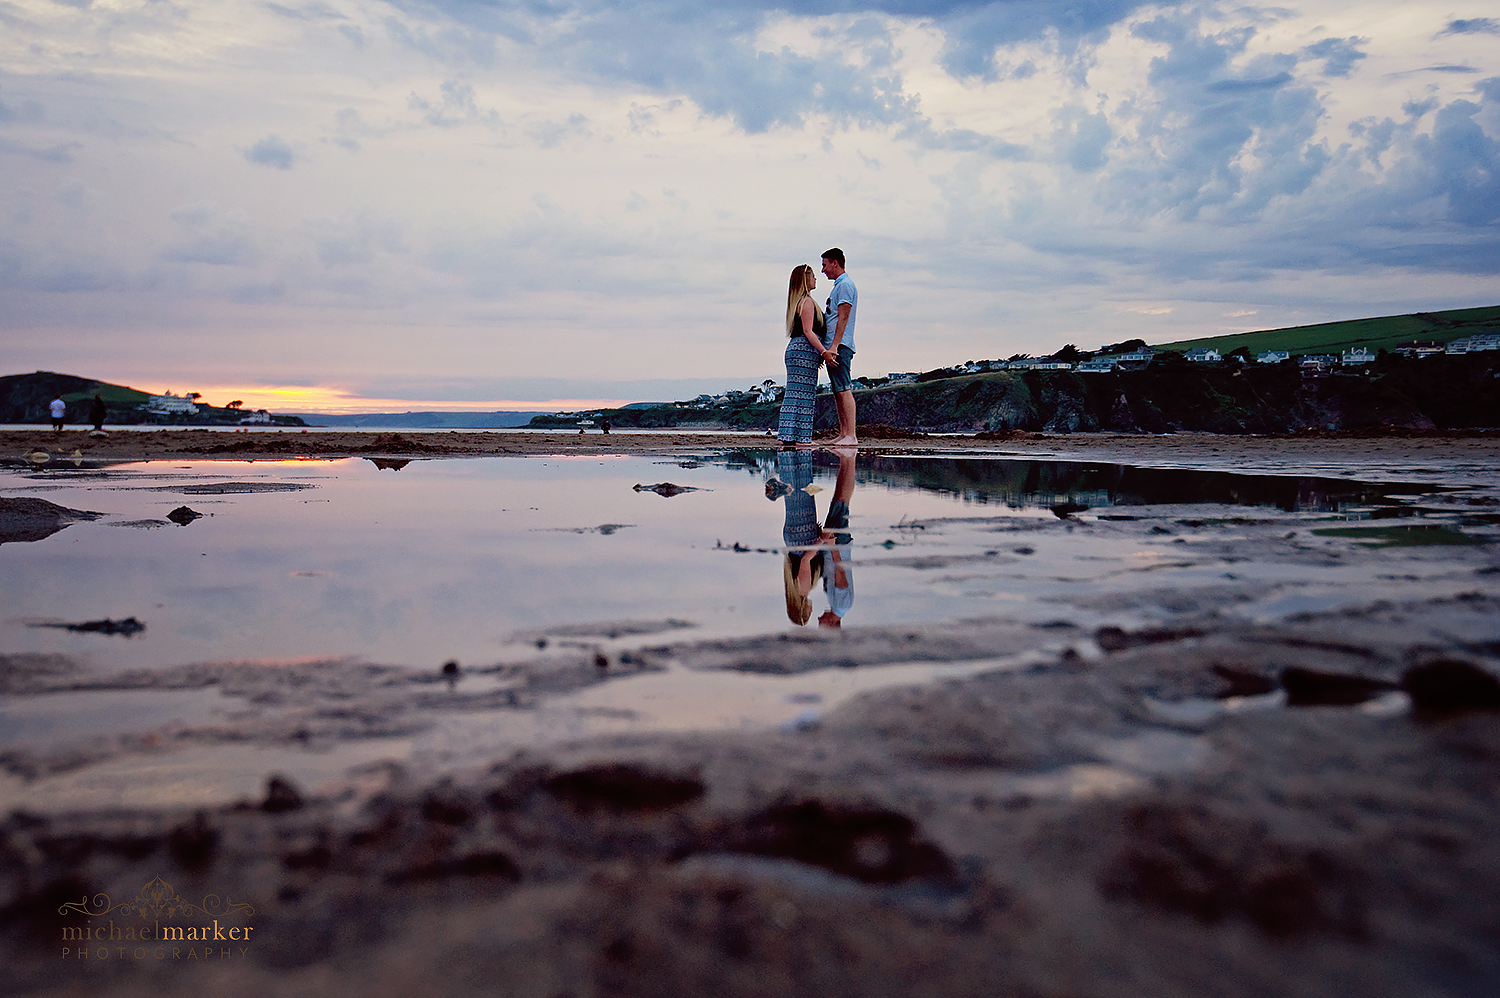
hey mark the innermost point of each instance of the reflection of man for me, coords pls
(838, 579)
(59, 411)
(838, 316)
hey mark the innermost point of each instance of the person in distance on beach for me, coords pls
(59, 410)
(97, 411)
(804, 352)
(838, 319)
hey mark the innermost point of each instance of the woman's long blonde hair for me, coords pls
(800, 286)
(798, 603)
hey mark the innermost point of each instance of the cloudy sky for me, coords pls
(363, 204)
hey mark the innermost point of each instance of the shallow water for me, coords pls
(488, 561)
(468, 558)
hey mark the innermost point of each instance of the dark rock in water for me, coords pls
(1449, 686)
(1065, 509)
(870, 845)
(28, 519)
(776, 488)
(1113, 639)
(1308, 688)
(1242, 682)
(665, 489)
(183, 515)
(129, 627)
(622, 787)
(281, 795)
(389, 463)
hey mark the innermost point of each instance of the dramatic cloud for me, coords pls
(1473, 26)
(486, 195)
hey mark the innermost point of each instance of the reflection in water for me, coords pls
(802, 566)
(815, 554)
(450, 558)
(1044, 484)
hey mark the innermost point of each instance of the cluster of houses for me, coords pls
(769, 391)
(188, 405)
(1139, 359)
(1477, 343)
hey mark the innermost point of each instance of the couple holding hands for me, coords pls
(815, 338)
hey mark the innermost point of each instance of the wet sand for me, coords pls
(1307, 805)
(1118, 448)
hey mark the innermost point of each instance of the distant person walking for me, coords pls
(804, 352)
(838, 320)
(97, 412)
(59, 412)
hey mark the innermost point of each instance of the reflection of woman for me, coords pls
(804, 351)
(800, 571)
(801, 568)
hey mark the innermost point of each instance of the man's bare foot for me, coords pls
(843, 442)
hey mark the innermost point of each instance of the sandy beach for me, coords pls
(1226, 802)
(1177, 447)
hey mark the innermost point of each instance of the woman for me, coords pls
(804, 351)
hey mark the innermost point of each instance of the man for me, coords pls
(839, 316)
(59, 412)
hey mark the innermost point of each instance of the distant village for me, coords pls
(1131, 356)
(188, 405)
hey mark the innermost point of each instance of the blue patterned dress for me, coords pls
(796, 421)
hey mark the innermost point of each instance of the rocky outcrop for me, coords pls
(29, 519)
(1396, 394)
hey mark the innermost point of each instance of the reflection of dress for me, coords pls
(796, 421)
(796, 470)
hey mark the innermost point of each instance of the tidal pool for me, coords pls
(418, 562)
(299, 623)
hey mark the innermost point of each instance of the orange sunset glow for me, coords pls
(335, 401)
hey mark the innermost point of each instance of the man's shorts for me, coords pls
(838, 521)
(839, 378)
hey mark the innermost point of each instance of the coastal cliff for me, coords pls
(1395, 393)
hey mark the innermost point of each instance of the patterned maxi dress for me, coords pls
(795, 424)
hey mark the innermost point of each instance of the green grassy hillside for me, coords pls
(25, 398)
(1382, 333)
(108, 392)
